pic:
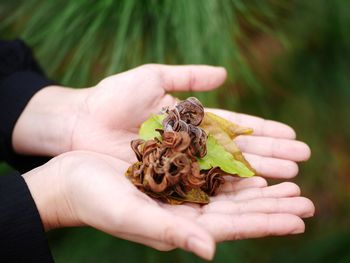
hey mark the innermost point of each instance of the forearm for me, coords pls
(45, 126)
(22, 237)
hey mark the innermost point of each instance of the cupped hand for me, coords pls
(105, 118)
(114, 110)
(85, 188)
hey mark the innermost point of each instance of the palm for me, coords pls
(245, 208)
(248, 208)
(116, 107)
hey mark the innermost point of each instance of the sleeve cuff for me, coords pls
(15, 92)
(22, 237)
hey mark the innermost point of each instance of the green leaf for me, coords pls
(224, 132)
(148, 128)
(218, 156)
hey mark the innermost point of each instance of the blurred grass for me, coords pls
(79, 42)
(288, 61)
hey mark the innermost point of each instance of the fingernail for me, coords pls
(309, 214)
(200, 247)
(298, 231)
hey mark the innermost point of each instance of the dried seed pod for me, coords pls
(149, 147)
(198, 141)
(179, 141)
(194, 179)
(191, 111)
(135, 144)
(213, 179)
(184, 118)
(152, 181)
(176, 166)
(135, 173)
(171, 122)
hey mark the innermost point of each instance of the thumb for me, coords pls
(190, 77)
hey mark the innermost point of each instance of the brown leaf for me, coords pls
(195, 195)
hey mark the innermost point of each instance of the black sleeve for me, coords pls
(22, 237)
(20, 78)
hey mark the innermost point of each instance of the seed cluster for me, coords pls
(167, 167)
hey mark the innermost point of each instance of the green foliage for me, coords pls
(218, 156)
(148, 128)
(79, 42)
(317, 64)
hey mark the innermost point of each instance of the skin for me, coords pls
(102, 120)
(89, 188)
(105, 118)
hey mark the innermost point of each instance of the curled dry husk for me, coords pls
(167, 166)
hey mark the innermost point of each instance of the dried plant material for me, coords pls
(213, 179)
(176, 159)
(185, 117)
(190, 111)
(195, 195)
(162, 164)
(211, 122)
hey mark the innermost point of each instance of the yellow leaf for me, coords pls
(212, 121)
(224, 132)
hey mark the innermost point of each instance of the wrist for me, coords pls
(48, 188)
(47, 122)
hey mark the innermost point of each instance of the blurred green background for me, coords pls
(287, 60)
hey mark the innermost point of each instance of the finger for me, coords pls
(273, 147)
(236, 184)
(272, 167)
(299, 206)
(190, 78)
(234, 227)
(156, 223)
(286, 189)
(148, 242)
(260, 126)
(282, 190)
